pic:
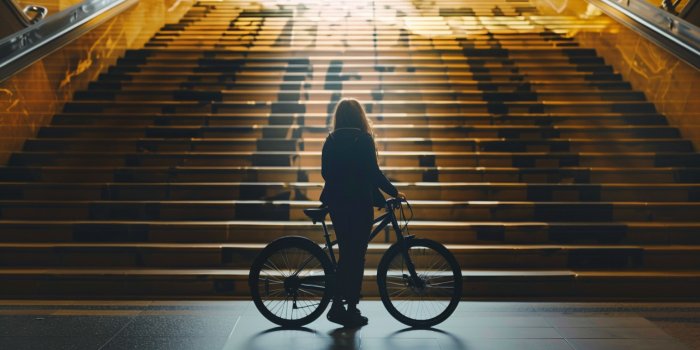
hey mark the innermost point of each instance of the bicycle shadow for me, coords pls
(446, 340)
(348, 339)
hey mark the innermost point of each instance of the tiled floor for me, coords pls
(237, 325)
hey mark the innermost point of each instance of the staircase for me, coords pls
(536, 163)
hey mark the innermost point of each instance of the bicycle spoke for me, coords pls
(274, 267)
(308, 286)
(428, 297)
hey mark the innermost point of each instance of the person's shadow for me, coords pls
(309, 339)
(337, 339)
(344, 339)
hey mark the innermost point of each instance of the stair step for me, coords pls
(393, 158)
(396, 51)
(221, 119)
(424, 84)
(382, 144)
(286, 210)
(239, 255)
(178, 174)
(510, 132)
(391, 77)
(338, 52)
(311, 190)
(97, 106)
(178, 283)
(250, 231)
(383, 95)
(361, 69)
(380, 64)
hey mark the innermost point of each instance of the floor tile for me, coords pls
(626, 344)
(52, 343)
(500, 321)
(279, 338)
(609, 321)
(612, 332)
(500, 332)
(403, 344)
(509, 344)
(63, 326)
(165, 343)
(179, 326)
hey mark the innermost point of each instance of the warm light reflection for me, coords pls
(342, 24)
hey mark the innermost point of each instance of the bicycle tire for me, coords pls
(390, 300)
(277, 250)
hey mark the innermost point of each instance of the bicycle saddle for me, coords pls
(316, 214)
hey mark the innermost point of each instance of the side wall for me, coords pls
(29, 99)
(670, 83)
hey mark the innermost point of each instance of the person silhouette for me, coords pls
(352, 182)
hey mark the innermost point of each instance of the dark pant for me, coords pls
(352, 222)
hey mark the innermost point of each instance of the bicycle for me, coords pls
(291, 280)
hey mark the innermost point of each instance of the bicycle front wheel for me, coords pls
(430, 299)
(291, 281)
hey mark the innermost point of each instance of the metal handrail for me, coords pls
(673, 33)
(42, 37)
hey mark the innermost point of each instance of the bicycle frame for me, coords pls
(383, 220)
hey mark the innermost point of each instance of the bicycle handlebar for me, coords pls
(395, 202)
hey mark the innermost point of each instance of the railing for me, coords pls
(665, 29)
(670, 6)
(21, 49)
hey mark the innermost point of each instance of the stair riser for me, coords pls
(363, 96)
(93, 175)
(466, 160)
(363, 70)
(192, 32)
(77, 145)
(269, 192)
(469, 234)
(277, 131)
(203, 211)
(336, 68)
(136, 120)
(357, 51)
(226, 287)
(398, 78)
(385, 107)
(360, 85)
(237, 258)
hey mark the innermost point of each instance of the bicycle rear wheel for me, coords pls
(433, 297)
(290, 281)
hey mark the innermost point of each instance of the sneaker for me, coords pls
(355, 319)
(337, 314)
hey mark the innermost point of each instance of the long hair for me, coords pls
(350, 114)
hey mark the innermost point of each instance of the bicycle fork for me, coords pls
(403, 242)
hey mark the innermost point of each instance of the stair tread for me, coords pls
(311, 168)
(243, 273)
(325, 115)
(377, 139)
(324, 103)
(374, 247)
(414, 223)
(319, 184)
(381, 153)
(312, 203)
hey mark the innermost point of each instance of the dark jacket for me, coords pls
(349, 167)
